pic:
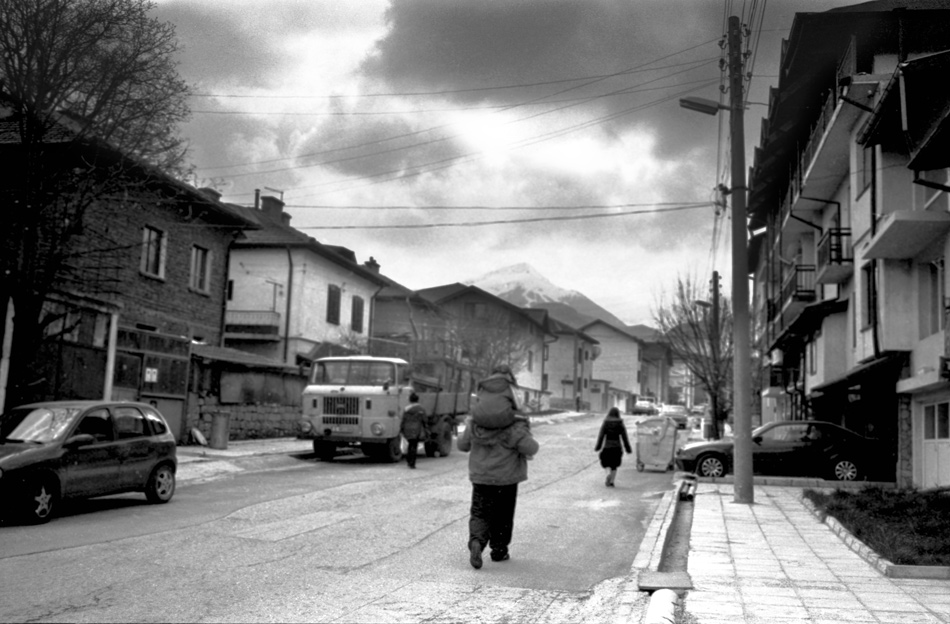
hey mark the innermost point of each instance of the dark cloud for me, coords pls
(434, 45)
(238, 46)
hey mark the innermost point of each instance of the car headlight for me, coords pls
(377, 429)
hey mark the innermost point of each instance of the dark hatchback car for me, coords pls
(793, 448)
(56, 450)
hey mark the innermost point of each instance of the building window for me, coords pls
(546, 353)
(356, 315)
(865, 168)
(580, 356)
(544, 382)
(200, 269)
(153, 252)
(530, 361)
(813, 357)
(230, 290)
(333, 305)
(937, 421)
(931, 282)
(475, 310)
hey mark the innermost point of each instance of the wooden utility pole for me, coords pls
(742, 374)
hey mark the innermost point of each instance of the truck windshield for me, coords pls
(354, 373)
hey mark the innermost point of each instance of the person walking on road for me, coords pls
(413, 427)
(612, 434)
(497, 463)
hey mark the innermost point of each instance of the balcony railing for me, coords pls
(799, 284)
(835, 256)
(252, 325)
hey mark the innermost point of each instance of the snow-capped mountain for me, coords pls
(523, 286)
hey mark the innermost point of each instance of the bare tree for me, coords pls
(90, 100)
(699, 333)
(494, 339)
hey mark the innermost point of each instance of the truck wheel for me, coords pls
(393, 450)
(431, 448)
(325, 451)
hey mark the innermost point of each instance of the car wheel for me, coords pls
(41, 499)
(161, 485)
(710, 466)
(845, 470)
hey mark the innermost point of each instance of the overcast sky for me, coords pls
(521, 114)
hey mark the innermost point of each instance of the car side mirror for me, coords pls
(757, 439)
(81, 439)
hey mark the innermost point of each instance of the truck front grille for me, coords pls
(340, 420)
(341, 406)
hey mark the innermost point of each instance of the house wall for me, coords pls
(167, 304)
(619, 361)
(263, 280)
(564, 365)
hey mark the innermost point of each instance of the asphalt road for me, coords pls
(291, 538)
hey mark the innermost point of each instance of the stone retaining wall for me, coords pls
(245, 422)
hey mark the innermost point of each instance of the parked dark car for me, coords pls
(56, 450)
(793, 448)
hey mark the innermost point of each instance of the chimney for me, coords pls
(372, 265)
(274, 209)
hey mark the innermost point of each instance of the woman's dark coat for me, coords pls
(612, 433)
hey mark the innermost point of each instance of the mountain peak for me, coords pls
(522, 285)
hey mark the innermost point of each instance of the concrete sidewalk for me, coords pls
(775, 561)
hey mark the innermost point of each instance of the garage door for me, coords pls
(936, 445)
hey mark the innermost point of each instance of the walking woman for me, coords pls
(612, 433)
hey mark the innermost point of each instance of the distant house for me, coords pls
(490, 331)
(144, 278)
(411, 327)
(569, 368)
(293, 299)
(619, 361)
(656, 362)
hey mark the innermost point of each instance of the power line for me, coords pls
(449, 208)
(500, 222)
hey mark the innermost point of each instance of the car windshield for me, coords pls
(36, 424)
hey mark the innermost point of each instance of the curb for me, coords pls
(663, 602)
(884, 566)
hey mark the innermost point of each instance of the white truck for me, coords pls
(358, 401)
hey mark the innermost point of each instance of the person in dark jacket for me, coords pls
(413, 427)
(497, 463)
(612, 434)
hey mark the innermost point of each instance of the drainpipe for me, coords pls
(110, 356)
(290, 290)
(872, 286)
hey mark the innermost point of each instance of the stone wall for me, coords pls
(245, 422)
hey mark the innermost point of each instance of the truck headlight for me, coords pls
(304, 426)
(377, 429)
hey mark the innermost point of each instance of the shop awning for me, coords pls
(885, 368)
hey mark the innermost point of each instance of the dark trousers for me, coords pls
(493, 515)
(412, 451)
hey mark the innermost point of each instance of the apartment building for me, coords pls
(850, 231)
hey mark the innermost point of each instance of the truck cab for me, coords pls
(358, 401)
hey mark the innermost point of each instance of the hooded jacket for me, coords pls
(498, 456)
(495, 404)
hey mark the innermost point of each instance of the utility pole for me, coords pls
(742, 354)
(742, 374)
(714, 351)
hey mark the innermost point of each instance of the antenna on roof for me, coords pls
(267, 188)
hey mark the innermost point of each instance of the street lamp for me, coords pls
(742, 374)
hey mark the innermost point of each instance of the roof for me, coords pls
(623, 332)
(448, 292)
(274, 233)
(808, 321)
(559, 327)
(61, 134)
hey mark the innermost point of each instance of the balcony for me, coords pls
(252, 325)
(835, 257)
(905, 233)
(798, 290)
